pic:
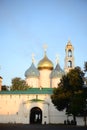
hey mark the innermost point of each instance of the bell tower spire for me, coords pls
(69, 57)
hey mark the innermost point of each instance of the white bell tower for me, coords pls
(69, 57)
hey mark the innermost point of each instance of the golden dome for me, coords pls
(45, 63)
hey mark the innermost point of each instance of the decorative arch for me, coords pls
(35, 115)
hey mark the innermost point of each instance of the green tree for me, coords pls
(77, 103)
(85, 66)
(18, 84)
(4, 88)
(60, 98)
(70, 86)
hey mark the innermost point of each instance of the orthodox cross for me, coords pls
(33, 59)
(57, 58)
(45, 48)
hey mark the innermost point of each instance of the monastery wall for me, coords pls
(15, 108)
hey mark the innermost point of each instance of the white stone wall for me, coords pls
(45, 78)
(55, 116)
(33, 82)
(55, 82)
(16, 109)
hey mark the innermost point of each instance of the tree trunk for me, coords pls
(85, 120)
(74, 119)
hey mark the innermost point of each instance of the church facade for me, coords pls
(34, 105)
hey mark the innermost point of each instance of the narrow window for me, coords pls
(69, 53)
(69, 64)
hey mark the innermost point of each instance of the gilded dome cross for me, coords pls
(45, 48)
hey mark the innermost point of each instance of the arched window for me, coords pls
(69, 53)
(69, 64)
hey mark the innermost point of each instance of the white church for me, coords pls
(34, 105)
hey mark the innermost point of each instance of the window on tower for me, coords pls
(69, 64)
(69, 53)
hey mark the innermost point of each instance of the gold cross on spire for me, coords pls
(45, 48)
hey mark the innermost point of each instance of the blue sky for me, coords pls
(25, 25)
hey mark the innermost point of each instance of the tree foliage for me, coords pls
(75, 79)
(18, 84)
(77, 104)
(4, 88)
(60, 98)
(85, 66)
(69, 94)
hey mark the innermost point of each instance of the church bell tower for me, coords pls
(69, 57)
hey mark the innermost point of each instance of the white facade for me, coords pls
(45, 78)
(55, 82)
(34, 107)
(33, 82)
(16, 109)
